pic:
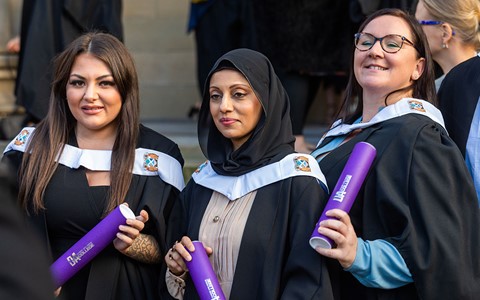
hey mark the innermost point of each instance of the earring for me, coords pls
(444, 46)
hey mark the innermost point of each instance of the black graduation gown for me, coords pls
(275, 259)
(419, 197)
(458, 97)
(47, 28)
(310, 37)
(113, 275)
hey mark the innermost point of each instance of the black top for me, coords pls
(72, 213)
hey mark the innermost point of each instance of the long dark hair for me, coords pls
(422, 88)
(52, 133)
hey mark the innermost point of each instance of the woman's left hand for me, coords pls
(129, 232)
(340, 230)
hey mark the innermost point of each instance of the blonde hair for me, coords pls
(462, 15)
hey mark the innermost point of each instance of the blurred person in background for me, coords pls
(24, 272)
(219, 26)
(308, 43)
(452, 29)
(47, 27)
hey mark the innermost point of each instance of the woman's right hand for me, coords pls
(176, 256)
(341, 231)
(56, 293)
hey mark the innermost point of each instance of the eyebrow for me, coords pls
(98, 78)
(400, 34)
(235, 85)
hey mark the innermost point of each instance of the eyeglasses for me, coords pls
(433, 22)
(391, 43)
(429, 22)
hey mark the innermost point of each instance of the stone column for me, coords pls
(10, 14)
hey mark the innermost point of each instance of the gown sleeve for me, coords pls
(378, 264)
(430, 212)
(159, 198)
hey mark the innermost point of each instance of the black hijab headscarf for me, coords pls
(272, 138)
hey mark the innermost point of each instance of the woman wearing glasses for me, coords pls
(452, 29)
(413, 230)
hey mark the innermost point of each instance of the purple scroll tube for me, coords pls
(91, 244)
(346, 189)
(202, 274)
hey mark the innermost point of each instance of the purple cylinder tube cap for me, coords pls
(320, 242)
(126, 212)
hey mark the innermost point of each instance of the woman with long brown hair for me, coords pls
(91, 154)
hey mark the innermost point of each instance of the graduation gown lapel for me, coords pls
(250, 269)
(342, 156)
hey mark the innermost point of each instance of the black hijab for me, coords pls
(272, 138)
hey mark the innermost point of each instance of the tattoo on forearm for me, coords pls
(144, 249)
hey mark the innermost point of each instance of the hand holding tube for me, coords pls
(203, 275)
(192, 256)
(346, 189)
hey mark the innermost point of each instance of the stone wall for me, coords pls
(155, 32)
(9, 27)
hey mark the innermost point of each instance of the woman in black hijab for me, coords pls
(255, 202)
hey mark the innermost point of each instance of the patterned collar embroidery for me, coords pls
(302, 164)
(22, 137)
(150, 162)
(416, 105)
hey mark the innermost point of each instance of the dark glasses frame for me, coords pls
(358, 35)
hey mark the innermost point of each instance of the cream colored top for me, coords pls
(221, 229)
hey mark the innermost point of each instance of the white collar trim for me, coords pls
(402, 107)
(234, 187)
(148, 162)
